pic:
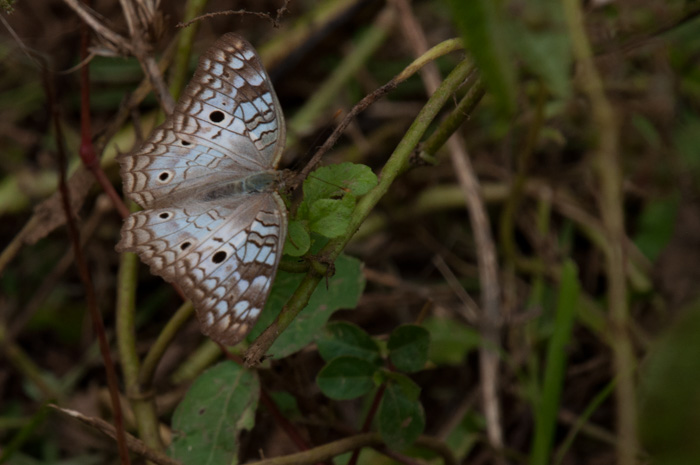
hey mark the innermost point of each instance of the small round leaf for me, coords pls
(400, 419)
(340, 338)
(408, 348)
(346, 378)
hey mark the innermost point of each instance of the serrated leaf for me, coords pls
(298, 239)
(341, 338)
(220, 403)
(408, 348)
(330, 217)
(400, 419)
(450, 340)
(346, 378)
(343, 291)
(335, 181)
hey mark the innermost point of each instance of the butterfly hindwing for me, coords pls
(229, 285)
(223, 257)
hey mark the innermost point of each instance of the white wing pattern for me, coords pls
(212, 220)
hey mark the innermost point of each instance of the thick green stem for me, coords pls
(143, 407)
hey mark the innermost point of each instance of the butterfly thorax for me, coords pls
(265, 181)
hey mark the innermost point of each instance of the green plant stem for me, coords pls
(196, 362)
(397, 163)
(432, 54)
(611, 206)
(166, 336)
(326, 451)
(143, 406)
(126, 303)
(608, 171)
(454, 120)
(592, 407)
(179, 75)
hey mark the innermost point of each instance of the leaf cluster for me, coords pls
(356, 365)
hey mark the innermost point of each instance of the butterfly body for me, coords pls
(212, 221)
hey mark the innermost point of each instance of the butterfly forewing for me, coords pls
(227, 124)
(200, 228)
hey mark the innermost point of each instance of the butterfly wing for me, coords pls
(224, 257)
(222, 250)
(227, 124)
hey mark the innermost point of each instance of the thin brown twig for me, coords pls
(84, 271)
(119, 43)
(490, 294)
(148, 63)
(485, 249)
(361, 106)
(470, 309)
(274, 20)
(134, 444)
(87, 149)
(641, 38)
(326, 451)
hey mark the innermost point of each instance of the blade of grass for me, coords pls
(547, 405)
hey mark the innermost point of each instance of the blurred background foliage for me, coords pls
(534, 142)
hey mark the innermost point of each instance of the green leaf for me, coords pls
(335, 181)
(346, 378)
(668, 392)
(540, 39)
(330, 217)
(286, 403)
(450, 340)
(408, 348)
(341, 338)
(220, 403)
(656, 225)
(400, 418)
(483, 27)
(686, 139)
(466, 435)
(298, 240)
(409, 388)
(343, 290)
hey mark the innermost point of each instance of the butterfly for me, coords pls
(212, 221)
